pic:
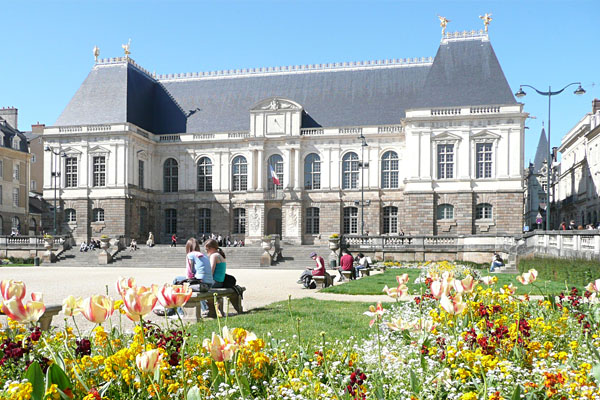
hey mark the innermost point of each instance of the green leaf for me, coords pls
(596, 372)
(35, 376)
(517, 393)
(193, 393)
(415, 384)
(58, 377)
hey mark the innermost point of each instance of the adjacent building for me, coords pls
(14, 175)
(536, 186)
(578, 178)
(428, 146)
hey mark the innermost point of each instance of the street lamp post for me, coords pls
(549, 94)
(54, 174)
(362, 166)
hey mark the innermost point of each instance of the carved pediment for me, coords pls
(98, 150)
(446, 136)
(71, 152)
(485, 135)
(142, 154)
(276, 104)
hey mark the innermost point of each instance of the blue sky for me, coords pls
(47, 45)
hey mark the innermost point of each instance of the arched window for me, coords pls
(32, 226)
(171, 176)
(70, 215)
(171, 220)
(350, 220)
(204, 220)
(98, 215)
(204, 175)
(312, 172)
(389, 170)
(15, 223)
(483, 211)
(275, 164)
(390, 219)
(239, 173)
(350, 171)
(445, 211)
(239, 220)
(312, 221)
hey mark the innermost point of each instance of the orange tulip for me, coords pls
(97, 308)
(148, 361)
(172, 296)
(29, 312)
(11, 288)
(221, 348)
(139, 301)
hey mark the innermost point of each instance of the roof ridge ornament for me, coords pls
(126, 48)
(443, 23)
(487, 18)
(96, 53)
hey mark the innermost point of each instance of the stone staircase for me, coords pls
(164, 256)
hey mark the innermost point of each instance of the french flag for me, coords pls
(274, 176)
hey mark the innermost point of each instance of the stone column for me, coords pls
(286, 169)
(260, 170)
(297, 183)
(251, 170)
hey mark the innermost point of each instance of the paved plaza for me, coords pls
(263, 286)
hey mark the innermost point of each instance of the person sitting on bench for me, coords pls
(306, 277)
(347, 264)
(363, 262)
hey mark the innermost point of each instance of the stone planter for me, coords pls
(104, 256)
(48, 256)
(265, 259)
(266, 244)
(334, 245)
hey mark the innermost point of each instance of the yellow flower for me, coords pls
(469, 396)
(52, 393)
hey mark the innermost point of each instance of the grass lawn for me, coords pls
(339, 320)
(17, 265)
(374, 284)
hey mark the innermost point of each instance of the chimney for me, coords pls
(595, 106)
(9, 114)
(38, 128)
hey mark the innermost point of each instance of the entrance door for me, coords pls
(274, 222)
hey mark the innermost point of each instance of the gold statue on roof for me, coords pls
(96, 53)
(126, 48)
(487, 18)
(443, 23)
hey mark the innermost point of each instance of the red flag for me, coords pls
(274, 176)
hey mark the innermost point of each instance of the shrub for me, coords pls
(575, 271)
(20, 260)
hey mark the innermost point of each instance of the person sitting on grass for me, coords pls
(306, 277)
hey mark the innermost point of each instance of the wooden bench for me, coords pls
(46, 318)
(325, 280)
(193, 310)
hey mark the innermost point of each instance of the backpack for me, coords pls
(229, 281)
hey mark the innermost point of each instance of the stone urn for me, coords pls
(265, 259)
(104, 242)
(266, 243)
(334, 245)
(48, 256)
(104, 256)
(48, 242)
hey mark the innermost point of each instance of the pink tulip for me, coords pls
(528, 277)
(402, 279)
(453, 305)
(125, 283)
(10, 288)
(139, 301)
(97, 308)
(400, 292)
(148, 361)
(488, 280)
(29, 312)
(172, 296)
(593, 286)
(375, 312)
(464, 286)
(221, 349)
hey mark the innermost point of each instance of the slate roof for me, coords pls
(8, 133)
(541, 153)
(463, 73)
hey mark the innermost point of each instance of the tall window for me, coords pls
(70, 215)
(171, 176)
(1, 169)
(312, 220)
(275, 162)
(16, 197)
(445, 211)
(33, 185)
(143, 219)
(239, 173)
(98, 215)
(484, 160)
(445, 161)
(71, 172)
(483, 211)
(350, 171)
(1, 194)
(15, 223)
(350, 220)
(390, 219)
(99, 171)
(17, 171)
(141, 174)
(312, 172)
(204, 221)
(171, 220)
(205, 175)
(239, 220)
(389, 170)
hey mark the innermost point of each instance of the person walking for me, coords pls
(174, 240)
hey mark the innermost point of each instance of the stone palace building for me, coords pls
(435, 146)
